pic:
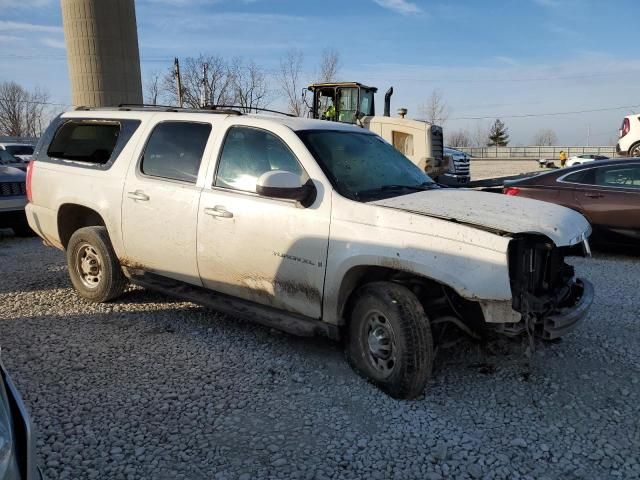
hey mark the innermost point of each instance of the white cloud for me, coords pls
(403, 7)
(24, 3)
(10, 39)
(54, 43)
(6, 26)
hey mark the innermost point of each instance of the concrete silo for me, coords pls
(102, 52)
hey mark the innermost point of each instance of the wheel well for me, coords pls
(72, 217)
(637, 144)
(436, 298)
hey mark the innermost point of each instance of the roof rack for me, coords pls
(257, 109)
(159, 108)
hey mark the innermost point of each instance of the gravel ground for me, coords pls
(481, 169)
(150, 388)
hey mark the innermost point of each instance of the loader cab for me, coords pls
(342, 102)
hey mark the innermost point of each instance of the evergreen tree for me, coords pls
(498, 135)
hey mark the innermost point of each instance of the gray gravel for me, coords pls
(152, 388)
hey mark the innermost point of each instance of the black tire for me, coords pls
(634, 151)
(94, 269)
(404, 372)
(21, 228)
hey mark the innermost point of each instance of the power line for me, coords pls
(34, 102)
(529, 115)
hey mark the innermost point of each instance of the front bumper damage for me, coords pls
(559, 321)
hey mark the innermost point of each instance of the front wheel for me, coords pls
(93, 266)
(389, 339)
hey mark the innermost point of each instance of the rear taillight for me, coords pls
(29, 175)
(513, 191)
(626, 126)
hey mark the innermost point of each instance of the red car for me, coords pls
(607, 193)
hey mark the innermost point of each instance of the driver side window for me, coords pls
(250, 152)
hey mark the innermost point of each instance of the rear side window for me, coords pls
(175, 150)
(89, 142)
(577, 177)
(19, 149)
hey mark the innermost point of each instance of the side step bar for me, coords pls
(268, 316)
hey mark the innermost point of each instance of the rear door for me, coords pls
(160, 199)
(610, 197)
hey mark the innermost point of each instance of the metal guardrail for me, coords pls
(536, 151)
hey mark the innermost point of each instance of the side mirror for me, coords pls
(286, 185)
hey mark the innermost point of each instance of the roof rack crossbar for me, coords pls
(250, 109)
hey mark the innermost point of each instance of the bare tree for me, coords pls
(21, 112)
(480, 135)
(459, 138)
(219, 81)
(153, 88)
(545, 137)
(329, 65)
(250, 86)
(289, 79)
(435, 110)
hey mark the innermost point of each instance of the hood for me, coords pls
(11, 174)
(495, 212)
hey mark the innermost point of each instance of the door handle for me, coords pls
(218, 211)
(138, 195)
(593, 195)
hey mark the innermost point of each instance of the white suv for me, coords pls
(629, 142)
(310, 226)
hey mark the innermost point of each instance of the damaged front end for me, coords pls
(544, 288)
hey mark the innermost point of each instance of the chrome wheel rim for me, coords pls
(381, 343)
(89, 266)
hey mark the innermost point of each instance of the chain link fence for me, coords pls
(536, 151)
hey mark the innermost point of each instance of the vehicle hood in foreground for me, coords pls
(11, 174)
(495, 212)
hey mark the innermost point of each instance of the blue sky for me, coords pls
(489, 58)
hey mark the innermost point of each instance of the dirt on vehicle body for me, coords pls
(313, 227)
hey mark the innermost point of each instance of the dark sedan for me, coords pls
(607, 193)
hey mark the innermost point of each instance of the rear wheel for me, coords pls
(634, 151)
(389, 339)
(94, 268)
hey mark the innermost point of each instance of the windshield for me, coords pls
(362, 166)
(19, 149)
(7, 158)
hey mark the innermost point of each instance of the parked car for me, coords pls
(309, 226)
(459, 168)
(607, 193)
(22, 151)
(629, 143)
(584, 158)
(13, 197)
(17, 445)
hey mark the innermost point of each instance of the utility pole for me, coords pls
(588, 134)
(176, 73)
(204, 91)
